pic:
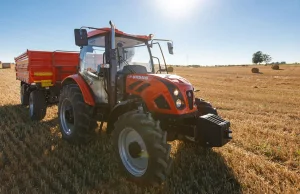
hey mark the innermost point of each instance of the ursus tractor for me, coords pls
(143, 105)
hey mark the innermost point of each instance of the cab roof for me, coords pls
(102, 31)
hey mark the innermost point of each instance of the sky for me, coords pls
(204, 32)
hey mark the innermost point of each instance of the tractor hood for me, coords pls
(173, 78)
(158, 91)
(167, 79)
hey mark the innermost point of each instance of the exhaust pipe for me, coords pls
(113, 68)
(112, 34)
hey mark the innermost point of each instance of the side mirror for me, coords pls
(170, 47)
(81, 38)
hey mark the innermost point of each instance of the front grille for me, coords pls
(190, 97)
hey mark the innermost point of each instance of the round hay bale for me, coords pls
(275, 67)
(255, 70)
(170, 69)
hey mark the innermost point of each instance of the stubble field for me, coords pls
(263, 157)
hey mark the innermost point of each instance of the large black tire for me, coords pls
(37, 105)
(24, 95)
(157, 152)
(76, 118)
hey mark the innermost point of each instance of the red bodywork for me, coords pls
(45, 67)
(157, 85)
(87, 94)
(102, 31)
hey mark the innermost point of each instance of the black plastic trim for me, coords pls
(162, 103)
(134, 84)
(142, 87)
(171, 87)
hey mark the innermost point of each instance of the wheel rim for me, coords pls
(133, 152)
(31, 106)
(67, 116)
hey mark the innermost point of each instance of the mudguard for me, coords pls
(118, 110)
(84, 87)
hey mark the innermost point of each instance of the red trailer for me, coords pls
(41, 73)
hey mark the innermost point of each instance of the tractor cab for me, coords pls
(131, 55)
(133, 50)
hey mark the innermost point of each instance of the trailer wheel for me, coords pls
(141, 148)
(37, 105)
(76, 118)
(24, 95)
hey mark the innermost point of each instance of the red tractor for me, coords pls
(143, 107)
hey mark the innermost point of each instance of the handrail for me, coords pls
(162, 55)
(65, 51)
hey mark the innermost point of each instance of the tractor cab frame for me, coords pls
(105, 52)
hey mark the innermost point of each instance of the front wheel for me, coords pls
(204, 107)
(141, 148)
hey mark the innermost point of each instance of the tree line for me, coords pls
(259, 57)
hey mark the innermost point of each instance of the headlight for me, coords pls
(178, 103)
(176, 92)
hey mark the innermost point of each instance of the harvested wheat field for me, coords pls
(263, 157)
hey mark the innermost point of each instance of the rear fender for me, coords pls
(85, 89)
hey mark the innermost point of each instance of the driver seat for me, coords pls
(131, 69)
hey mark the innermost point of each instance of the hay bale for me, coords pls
(170, 69)
(255, 70)
(5, 65)
(275, 67)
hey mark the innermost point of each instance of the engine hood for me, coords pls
(173, 78)
(157, 91)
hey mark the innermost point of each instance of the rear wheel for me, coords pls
(141, 148)
(76, 118)
(37, 105)
(24, 95)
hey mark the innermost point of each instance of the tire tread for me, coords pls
(85, 124)
(159, 156)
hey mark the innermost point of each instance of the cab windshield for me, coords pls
(128, 52)
(134, 55)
